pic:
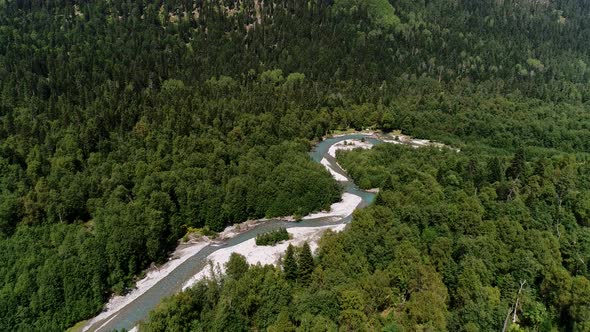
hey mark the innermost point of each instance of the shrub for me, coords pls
(273, 237)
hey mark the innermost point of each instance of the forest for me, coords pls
(125, 123)
(454, 242)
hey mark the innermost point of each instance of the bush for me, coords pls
(273, 237)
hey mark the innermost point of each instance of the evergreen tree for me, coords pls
(236, 266)
(283, 323)
(517, 165)
(495, 170)
(290, 264)
(305, 264)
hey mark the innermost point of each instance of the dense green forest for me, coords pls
(123, 123)
(447, 245)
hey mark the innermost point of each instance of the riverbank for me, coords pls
(347, 145)
(263, 255)
(396, 137)
(184, 251)
(153, 276)
(337, 176)
(338, 210)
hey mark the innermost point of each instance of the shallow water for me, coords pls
(139, 309)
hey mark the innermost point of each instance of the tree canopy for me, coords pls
(125, 123)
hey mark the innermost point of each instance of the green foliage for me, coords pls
(205, 231)
(122, 122)
(236, 267)
(283, 323)
(290, 267)
(305, 264)
(492, 245)
(437, 255)
(380, 12)
(273, 237)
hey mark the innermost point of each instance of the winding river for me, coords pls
(131, 314)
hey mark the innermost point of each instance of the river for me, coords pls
(131, 314)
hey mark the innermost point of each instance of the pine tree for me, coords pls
(290, 264)
(517, 165)
(495, 170)
(305, 264)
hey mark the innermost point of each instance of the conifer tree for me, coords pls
(305, 264)
(496, 170)
(290, 264)
(517, 165)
